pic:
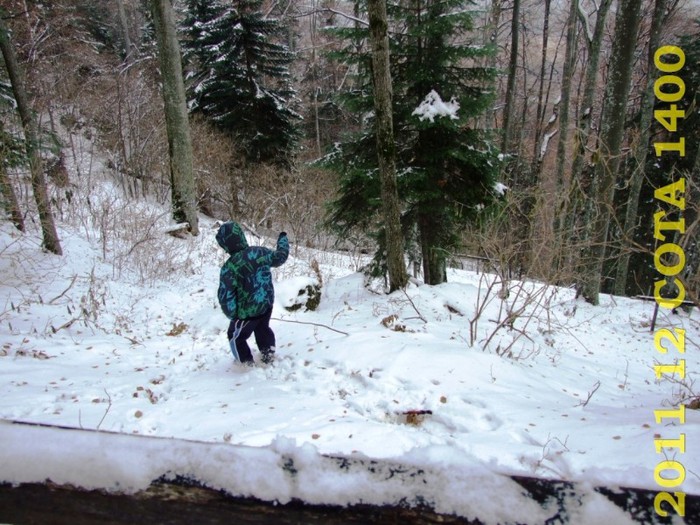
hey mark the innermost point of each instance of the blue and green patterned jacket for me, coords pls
(245, 281)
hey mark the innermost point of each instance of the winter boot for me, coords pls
(267, 355)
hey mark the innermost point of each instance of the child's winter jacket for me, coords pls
(245, 282)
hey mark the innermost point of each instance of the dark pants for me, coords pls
(242, 330)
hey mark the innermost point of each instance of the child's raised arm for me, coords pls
(279, 256)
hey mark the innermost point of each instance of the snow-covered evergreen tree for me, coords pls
(446, 165)
(238, 76)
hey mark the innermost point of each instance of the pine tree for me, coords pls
(239, 76)
(446, 166)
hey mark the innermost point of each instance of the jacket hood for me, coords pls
(231, 237)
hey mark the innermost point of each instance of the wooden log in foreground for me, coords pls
(169, 504)
(182, 502)
(33, 454)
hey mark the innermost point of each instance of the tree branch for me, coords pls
(312, 324)
(584, 22)
(336, 12)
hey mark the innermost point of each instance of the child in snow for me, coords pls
(246, 293)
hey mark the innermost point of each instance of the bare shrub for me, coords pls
(518, 240)
(142, 250)
(291, 200)
(683, 391)
(513, 249)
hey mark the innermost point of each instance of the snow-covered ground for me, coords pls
(567, 392)
(469, 381)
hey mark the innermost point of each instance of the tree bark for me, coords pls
(508, 119)
(176, 119)
(540, 96)
(572, 206)
(314, 79)
(563, 139)
(48, 227)
(611, 138)
(491, 38)
(641, 149)
(566, 81)
(124, 24)
(8, 192)
(434, 257)
(583, 126)
(386, 151)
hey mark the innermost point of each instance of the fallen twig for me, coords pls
(420, 315)
(109, 400)
(312, 324)
(75, 277)
(67, 324)
(590, 395)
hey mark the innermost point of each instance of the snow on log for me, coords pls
(85, 474)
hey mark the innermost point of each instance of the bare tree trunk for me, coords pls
(124, 24)
(386, 150)
(641, 149)
(583, 126)
(572, 207)
(611, 138)
(540, 96)
(564, 105)
(508, 113)
(491, 33)
(8, 192)
(434, 257)
(29, 125)
(315, 86)
(176, 120)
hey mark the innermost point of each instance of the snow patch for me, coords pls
(500, 188)
(433, 106)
